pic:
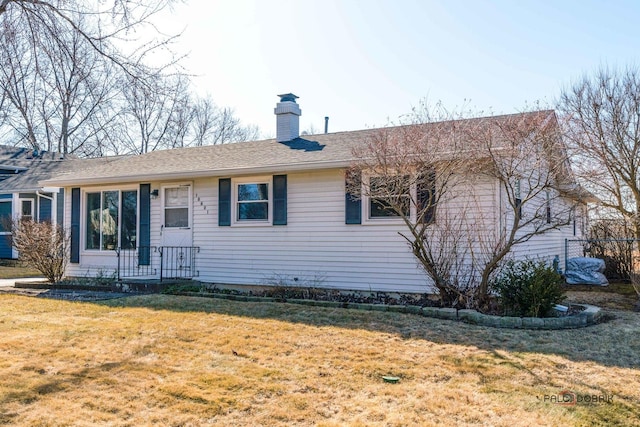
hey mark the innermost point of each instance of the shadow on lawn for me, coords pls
(615, 342)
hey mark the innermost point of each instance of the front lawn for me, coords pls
(169, 360)
(10, 269)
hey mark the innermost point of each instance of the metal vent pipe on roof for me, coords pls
(326, 124)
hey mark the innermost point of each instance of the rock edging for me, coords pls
(589, 316)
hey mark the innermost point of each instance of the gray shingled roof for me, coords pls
(29, 179)
(39, 171)
(306, 152)
(266, 156)
(32, 168)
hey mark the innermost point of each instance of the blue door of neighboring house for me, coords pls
(5, 233)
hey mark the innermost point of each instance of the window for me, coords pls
(252, 201)
(111, 220)
(176, 207)
(392, 197)
(386, 197)
(129, 229)
(26, 210)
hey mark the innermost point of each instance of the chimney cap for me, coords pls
(288, 97)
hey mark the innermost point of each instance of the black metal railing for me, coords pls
(157, 262)
(178, 262)
(138, 262)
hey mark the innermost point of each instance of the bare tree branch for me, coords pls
(601, 114)
(440, 180)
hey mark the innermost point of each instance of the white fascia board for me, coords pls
(164, 176)
(50, 189)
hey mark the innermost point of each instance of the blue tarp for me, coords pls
(585, 271)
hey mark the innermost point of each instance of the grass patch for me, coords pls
(171, 360)
(11, 269)
(616, 296)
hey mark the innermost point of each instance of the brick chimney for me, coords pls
(288, 118)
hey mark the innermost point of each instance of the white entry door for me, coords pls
(177, 222)
(176, 251)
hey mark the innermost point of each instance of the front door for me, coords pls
(177, 231)
(176, 215)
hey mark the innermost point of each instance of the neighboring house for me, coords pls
(21, 195)
(256, 212)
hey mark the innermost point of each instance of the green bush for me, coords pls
(528, 288)
(182, 287)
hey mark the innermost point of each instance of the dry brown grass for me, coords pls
(615, 296)
(166, 360)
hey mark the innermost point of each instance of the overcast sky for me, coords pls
(363, 63)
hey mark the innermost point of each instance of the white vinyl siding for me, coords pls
(316, 246)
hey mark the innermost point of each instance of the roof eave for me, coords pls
(173, 176)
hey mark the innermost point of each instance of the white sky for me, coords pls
(364, 62)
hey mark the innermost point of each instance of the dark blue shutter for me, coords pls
(60, 207)
(224, 202)
(426, 189)
(280, 200)
(144, 233)
(352, 201)
(75, 225)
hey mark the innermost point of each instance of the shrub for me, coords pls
(528, 288)
(183, 287)
(43, 246)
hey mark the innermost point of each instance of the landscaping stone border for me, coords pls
(589, 316)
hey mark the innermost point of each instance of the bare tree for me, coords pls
(437, 177)
(408, 172)
(23, 93)
(82, 88)
(212, 125)
(602, 117)
(154, 108)
(60, 64)
(525, 156)
(165, 115)
(41, 245)
(229, 128)
(76, 77)
(609, 240)
(106, 26)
